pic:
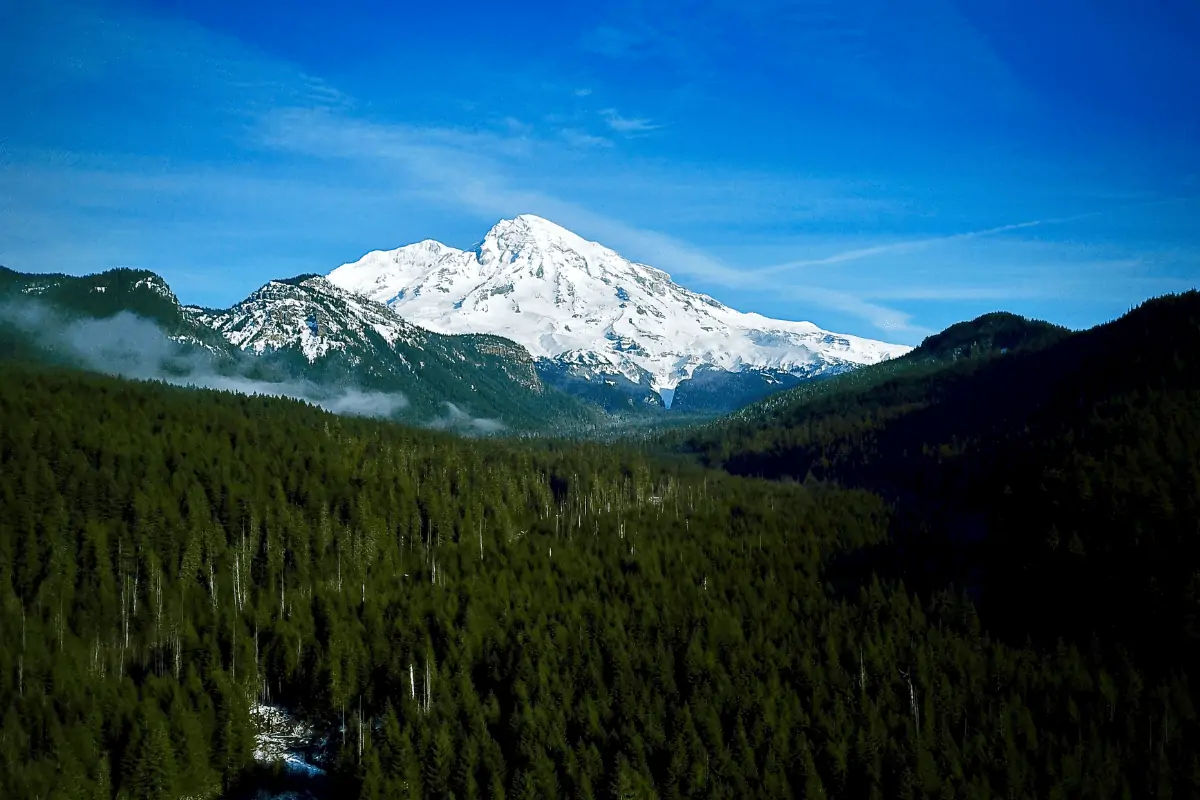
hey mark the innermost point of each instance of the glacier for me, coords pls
(582, 304)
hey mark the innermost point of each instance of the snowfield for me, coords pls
(580, 303)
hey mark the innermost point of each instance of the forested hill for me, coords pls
(468, 619)
(994, 333)
(985, 337)
(1061, 477)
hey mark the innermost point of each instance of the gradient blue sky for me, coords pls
(879, 168)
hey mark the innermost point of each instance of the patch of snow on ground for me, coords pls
(283, 738)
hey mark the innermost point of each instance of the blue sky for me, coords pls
(879, 168)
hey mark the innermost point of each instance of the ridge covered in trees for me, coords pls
(1060, 478)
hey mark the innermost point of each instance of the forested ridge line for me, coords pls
(1060, 477)
(499, 620)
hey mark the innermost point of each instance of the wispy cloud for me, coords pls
(582, 92)
(133, 347)
(456, 419)
(905, 246)
(622, 124)
(883, 318)
(578, 138)
(942, 293)
(470, 171)
(894, 248)
(517, 128)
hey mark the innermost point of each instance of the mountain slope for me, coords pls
(997, 332)
(984, 337)
(596, 315)
(332, 336)
(1058, 478)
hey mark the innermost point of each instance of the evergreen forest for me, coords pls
(970, 573)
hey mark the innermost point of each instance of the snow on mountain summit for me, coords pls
(578, 302)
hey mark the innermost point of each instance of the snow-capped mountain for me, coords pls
(330, 335)
(592, 313)
(309, 315)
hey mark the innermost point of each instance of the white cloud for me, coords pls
(622, 124)
(516, 127)
(134, 347)
(469, 171)
(578, 138)
(902, 246)
(882, 318)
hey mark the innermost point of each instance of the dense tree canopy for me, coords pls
(490, 619)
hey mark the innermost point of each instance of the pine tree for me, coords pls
(150, 762)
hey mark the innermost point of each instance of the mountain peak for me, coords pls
(528, 232)
(533, 222)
